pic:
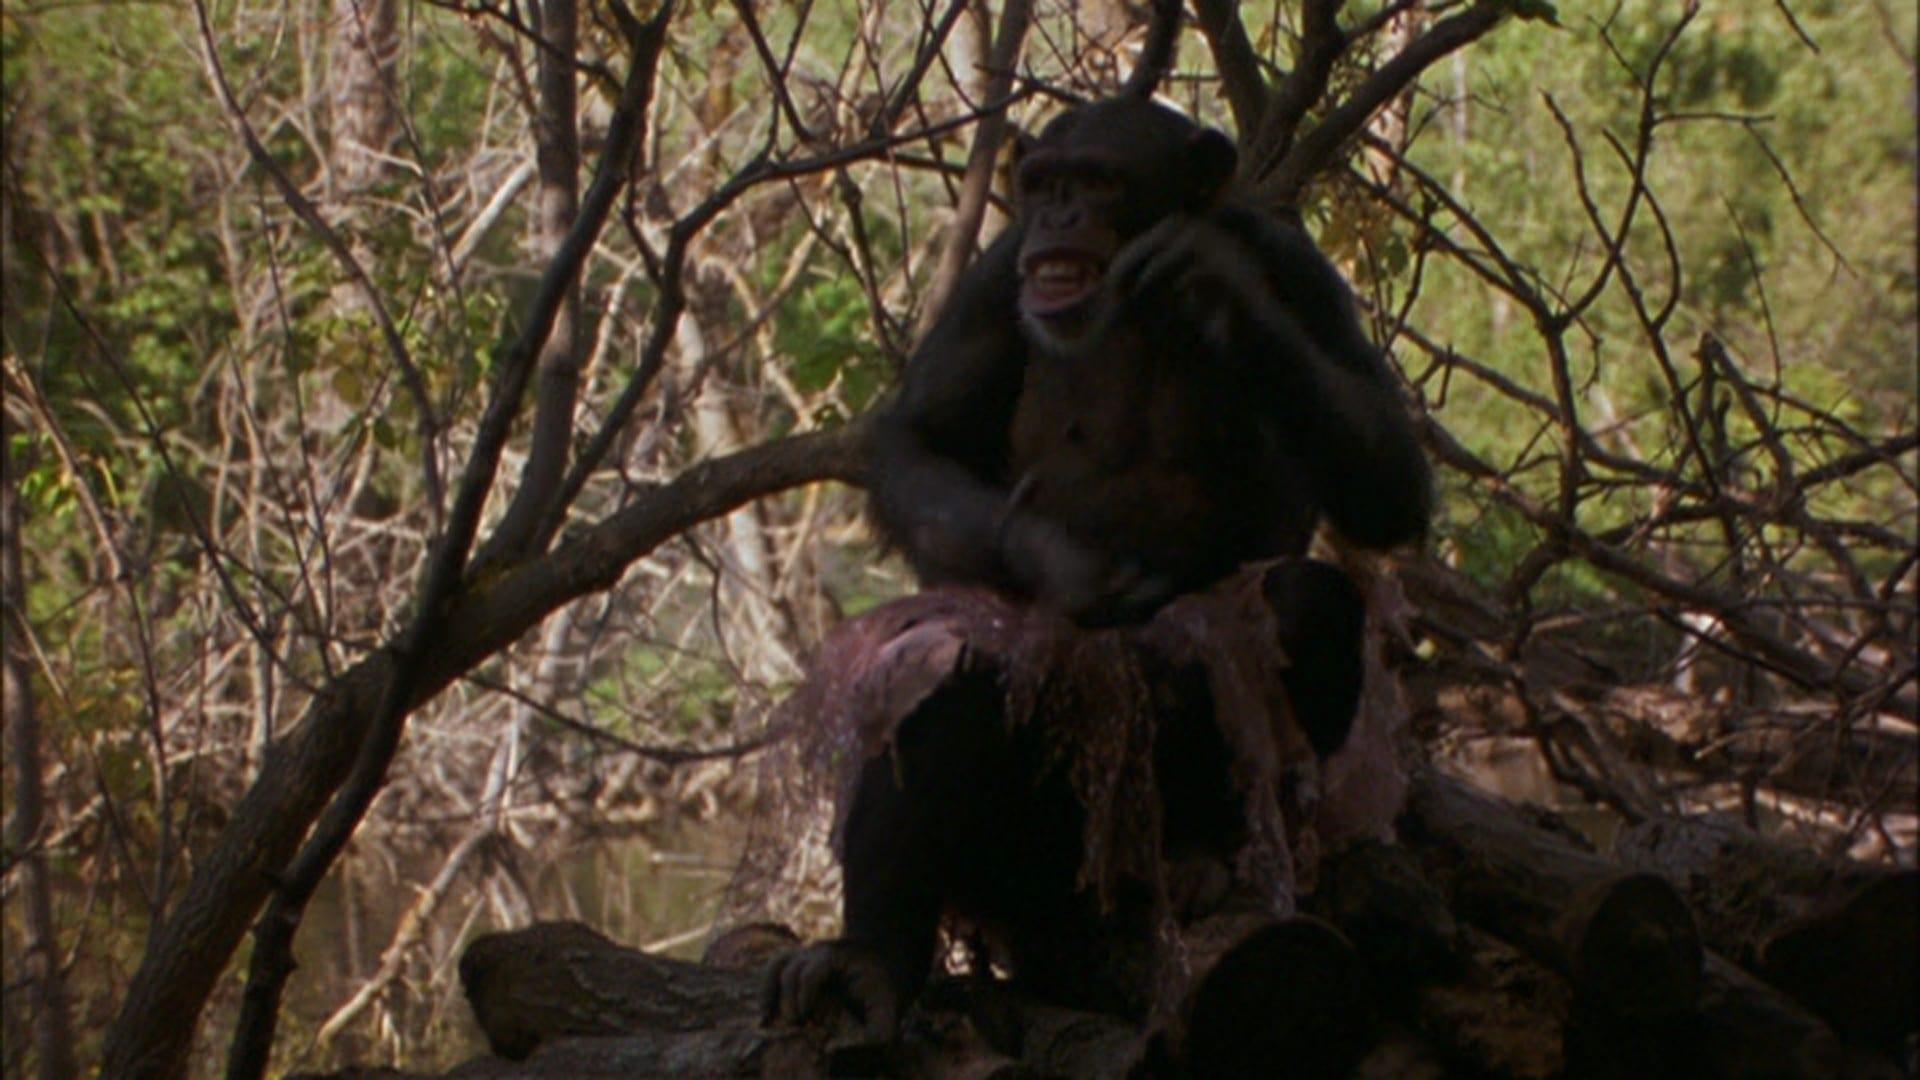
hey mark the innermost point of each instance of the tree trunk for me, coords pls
(46, 983)
(360, 107)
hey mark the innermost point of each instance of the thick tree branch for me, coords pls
(1321, 45)
(188, 952)
(1157, 55)
(1318, 148)
(557, 157)
(1247, 90)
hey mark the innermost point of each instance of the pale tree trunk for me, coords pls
(361, 122)
(971, 212)
(967, 55)
(46, 983)
(360, 109)
(761, 637)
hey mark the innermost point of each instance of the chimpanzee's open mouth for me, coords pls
(1054, 282)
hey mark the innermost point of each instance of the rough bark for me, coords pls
(1626, 940)
(1745, 888)
(1380, 897)
(360, 108)
(1505, 1013)
(555, 980)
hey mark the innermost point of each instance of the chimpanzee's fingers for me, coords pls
(1149, 260)
(771, 990)
(1165, 266)
(796, 990)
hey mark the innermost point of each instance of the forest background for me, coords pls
(440, 421)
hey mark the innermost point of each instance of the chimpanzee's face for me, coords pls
(1097, 177)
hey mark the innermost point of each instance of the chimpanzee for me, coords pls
(1139, 387)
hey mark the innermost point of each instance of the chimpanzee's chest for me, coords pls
(1131, 446)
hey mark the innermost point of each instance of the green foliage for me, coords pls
(1772, 158)
(826, 329)
(1532, 10)
(699, 694)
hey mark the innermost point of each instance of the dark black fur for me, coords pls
(1219, 377)
(1139, 387)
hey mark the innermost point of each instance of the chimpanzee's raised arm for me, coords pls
(1339, 404)
(1273, 306)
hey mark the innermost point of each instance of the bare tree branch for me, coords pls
(428, 420)
(978, 182)
(1317, 149)
(1240, 68)
(557, 378)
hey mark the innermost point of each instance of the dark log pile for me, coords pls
(1491, 942)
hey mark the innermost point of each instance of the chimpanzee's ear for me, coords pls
(1023, 145)
(1211, 159)
(1008, 177)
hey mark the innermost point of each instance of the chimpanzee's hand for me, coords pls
(1196, 272)
(1089, 586)
(802, 981)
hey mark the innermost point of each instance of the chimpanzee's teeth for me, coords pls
(1060, 271)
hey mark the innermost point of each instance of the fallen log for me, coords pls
(1624, 939)
(1378, 895)
(1505, 1016)
(564, 988)
(1853, 961)
(1740, 885)
(1841, 937)
(1560, 963)
(1742, 1029)
(559, 999)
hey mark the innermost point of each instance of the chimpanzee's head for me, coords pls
(1097, 177)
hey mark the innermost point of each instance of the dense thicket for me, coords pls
(418, 419)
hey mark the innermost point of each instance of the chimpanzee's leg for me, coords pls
(922, 824)
(947, 817)
(1322, 617)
